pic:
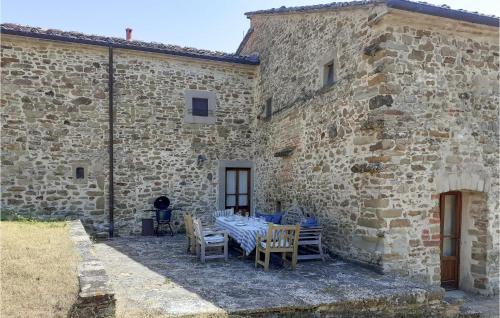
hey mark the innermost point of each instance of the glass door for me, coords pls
(237, 194)
(450, 206)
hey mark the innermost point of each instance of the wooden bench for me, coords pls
(310, 243)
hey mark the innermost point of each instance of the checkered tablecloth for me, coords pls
(245, 235)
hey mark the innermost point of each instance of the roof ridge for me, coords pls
(315, 7)
(79, 37)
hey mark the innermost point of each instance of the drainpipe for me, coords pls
(110, 144)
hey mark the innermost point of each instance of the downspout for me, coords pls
(110, 144)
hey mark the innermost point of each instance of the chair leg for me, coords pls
(267, 258)
(193, 246)
(203, 254)
(321, 252)
(257, 255)
(225, 252)
(294, 260)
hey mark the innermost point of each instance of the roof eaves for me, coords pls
(418, 7)
(444, 12)
(110, 42)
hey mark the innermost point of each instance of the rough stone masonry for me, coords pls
(359, 114)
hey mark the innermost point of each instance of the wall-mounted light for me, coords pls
(201, 159)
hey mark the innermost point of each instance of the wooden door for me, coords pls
(450, 206)
(237, 194)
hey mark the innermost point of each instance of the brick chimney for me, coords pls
(128, 34)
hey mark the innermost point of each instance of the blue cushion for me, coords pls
(276, 218)
(309, 222)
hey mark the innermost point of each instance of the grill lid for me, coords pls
(161, 203)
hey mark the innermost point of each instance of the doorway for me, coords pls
(237, 190)
(450, 205)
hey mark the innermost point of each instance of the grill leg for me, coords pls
(171, 230)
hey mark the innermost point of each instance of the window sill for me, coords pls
(190, 119)
(327, 88)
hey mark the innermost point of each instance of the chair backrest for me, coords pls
(188, 222)
(310, 233)
(226, 212)
(282, 236)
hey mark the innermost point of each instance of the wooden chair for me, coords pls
(209, 240)
(310, 243)
(191, 241)
(279, 239)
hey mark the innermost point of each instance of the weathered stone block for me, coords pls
(380, 100)
(376, 203)
(399, 223)
(375, 223)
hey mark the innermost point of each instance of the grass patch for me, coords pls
(38, 276)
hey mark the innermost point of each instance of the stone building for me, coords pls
(380, 118)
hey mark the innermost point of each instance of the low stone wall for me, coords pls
(96, 297)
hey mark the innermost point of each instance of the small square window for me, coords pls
(80, 173)
(200, 107)
(329, 74)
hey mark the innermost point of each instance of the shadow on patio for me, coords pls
(154, 276)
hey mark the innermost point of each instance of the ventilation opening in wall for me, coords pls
(80, 173)
(269, 108)
(329, 74)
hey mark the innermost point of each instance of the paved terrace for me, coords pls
(155, 277)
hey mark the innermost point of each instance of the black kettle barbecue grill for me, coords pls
(163, 214)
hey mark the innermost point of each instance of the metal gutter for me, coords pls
(110, 143)
(443, 12)
(53, 37)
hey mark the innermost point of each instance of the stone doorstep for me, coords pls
(96, 296)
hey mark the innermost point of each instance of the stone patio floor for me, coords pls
(472, 305)
(155, 277)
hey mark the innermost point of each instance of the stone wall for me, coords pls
(156, 151)
(442, 135)
(320, 123)
(55, 119)
(474, 242)
(414, 113)
(96, 297)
